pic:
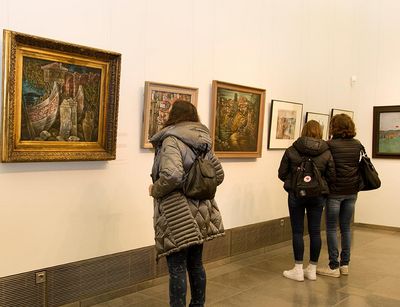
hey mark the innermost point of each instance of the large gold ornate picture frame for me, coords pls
(158, 100)
(237, 120)
(60, 100)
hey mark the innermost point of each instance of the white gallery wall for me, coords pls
(302, 51)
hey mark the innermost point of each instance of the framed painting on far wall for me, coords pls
(285, 123)
(323, 120)
(158, 100)
(386, 132)
(339, 111)
(237, 120)
(60, 100)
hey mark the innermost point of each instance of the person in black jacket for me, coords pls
(343, 193)
(310, 144)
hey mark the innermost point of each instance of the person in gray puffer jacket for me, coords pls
(182, 224)
(309, 145)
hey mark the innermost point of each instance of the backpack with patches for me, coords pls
(307, 180)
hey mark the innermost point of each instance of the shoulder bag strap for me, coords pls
(363, 153)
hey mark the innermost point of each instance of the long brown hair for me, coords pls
(312, 129)
(342, 126)
(182, 111)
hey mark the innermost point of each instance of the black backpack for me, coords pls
(201, 180)
(307, 180)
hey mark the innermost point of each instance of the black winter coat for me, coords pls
(346, 154)
(318, 150)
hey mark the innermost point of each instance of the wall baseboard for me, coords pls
(92, 281)
(374, 226)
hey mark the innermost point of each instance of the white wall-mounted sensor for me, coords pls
(353, 80)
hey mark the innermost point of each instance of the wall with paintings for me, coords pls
(378, 44)
(300, 51)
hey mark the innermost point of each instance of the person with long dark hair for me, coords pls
(343, 193)
(183, 224)
(309, 146)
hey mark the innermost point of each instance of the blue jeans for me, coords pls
(297, 208)
(189, 259)
(339, 208)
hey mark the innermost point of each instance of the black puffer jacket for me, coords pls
(346, 154)
(318, 150)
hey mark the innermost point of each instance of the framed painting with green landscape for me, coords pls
(386, 132)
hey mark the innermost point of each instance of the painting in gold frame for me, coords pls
(60, 100)
(158, 100)
(237, 120)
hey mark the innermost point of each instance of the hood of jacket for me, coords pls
(310, 146)
(193, 134)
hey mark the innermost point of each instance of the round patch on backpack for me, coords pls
(307, 179)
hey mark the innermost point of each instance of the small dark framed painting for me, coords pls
(322, 119)
(386, 132)
(340, 111)
(285, 123)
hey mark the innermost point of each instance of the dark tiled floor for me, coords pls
(256, 279)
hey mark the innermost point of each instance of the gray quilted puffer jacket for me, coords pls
(180, 222)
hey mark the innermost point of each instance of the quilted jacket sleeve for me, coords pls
(330, 174)
(284, 167)
(218, 167)
(171, 171)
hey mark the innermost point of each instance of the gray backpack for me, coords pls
(201, 180)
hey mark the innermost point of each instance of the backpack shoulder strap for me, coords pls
(362, 151)
(198, 152)
(305, 158)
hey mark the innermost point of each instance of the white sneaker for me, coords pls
(327, 271)
(344, 270)
(295, 274)
(310, 272)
